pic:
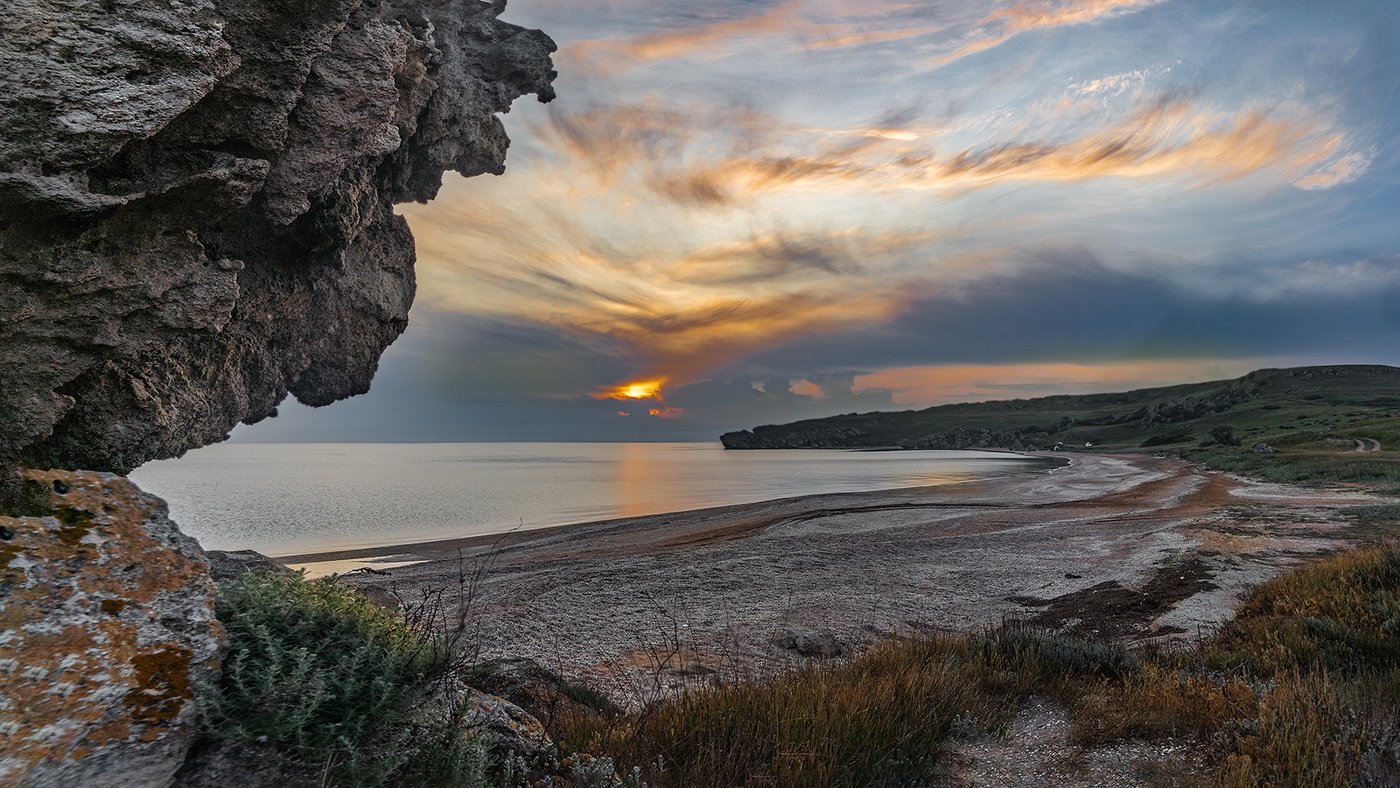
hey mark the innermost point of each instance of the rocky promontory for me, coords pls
(196, 204)
(196, 219)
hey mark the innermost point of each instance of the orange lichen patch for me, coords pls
(88, 575)
(162, 684)
(76, 522)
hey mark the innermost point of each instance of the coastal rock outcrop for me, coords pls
(107, 631)
(196, 204)
(962, 438)
(835, 437)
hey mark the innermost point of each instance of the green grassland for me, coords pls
(1314, 419)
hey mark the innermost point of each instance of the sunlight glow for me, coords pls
(645, 389)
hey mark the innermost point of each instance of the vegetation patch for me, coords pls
(1302, 689)
(324, 675)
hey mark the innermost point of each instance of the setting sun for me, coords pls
(645, 389)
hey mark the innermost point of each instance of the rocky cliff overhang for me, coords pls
(196, 204)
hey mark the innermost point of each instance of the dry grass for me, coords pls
(1302, 690)
(872, 721)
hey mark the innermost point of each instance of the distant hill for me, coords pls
(1293, 412)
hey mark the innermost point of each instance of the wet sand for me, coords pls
(1128, 546)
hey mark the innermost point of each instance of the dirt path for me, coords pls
(1037, 753)
(1367, 444)
(1136, 546)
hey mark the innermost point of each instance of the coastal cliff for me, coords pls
(196, 205)
(196, 220)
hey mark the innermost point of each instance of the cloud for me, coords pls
(641, 230)
(936, 385)
(730, 162)
(794, 25)
(708, 40)
(675, 310)
(1344, 170)
(1001, 26)
(800, 25)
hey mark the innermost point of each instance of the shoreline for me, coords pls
(437, 549)
(714, 591)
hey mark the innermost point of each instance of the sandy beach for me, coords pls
(1126, 546)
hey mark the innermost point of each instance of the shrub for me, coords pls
(1224, 435)
(323, 674)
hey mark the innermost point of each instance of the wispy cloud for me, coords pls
(722, 157)
(792, 25)
(799, 25)
(679, 306)
(1345, 169)
(1002, 25)
(934, 385)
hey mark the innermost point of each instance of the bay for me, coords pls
(286, 499)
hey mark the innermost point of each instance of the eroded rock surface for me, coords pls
(107, 630)
(196, 204)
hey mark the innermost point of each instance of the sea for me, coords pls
(297, 498)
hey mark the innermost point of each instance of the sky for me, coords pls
(741, 212)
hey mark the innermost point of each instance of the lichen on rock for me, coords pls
(196, 204)
(107, 631)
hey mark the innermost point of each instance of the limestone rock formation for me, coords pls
(107, 630)
(196, 204)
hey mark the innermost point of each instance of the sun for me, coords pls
(643, 390)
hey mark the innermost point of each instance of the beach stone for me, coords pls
(219, 763)
(527, 684)
(811, 643)
(107, 632)
(231, 564)
(510, 733)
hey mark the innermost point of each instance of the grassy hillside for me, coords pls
(1314, 418)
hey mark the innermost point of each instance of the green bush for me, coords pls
(323, 674)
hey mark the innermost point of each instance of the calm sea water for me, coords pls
(285, 499)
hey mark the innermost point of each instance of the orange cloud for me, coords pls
(936, 385)
(711, 40)
(791, 21)
(999, 27)
(678, 308)
(1165, 139)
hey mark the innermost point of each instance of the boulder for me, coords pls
(510, 733)
(230, 564)
(532, 687)
(820, 644)
(107, 631)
